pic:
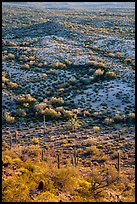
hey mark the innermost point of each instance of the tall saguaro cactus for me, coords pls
(58, 160)
(72, 162)
(10, 141)
(42, 155)
(16, 136)
(118, 164)
(75, 157)
(107, 177)
(44, 123)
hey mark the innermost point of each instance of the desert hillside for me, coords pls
(68, 102)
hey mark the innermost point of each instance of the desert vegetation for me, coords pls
(68, 103)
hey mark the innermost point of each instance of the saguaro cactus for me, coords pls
(72, 162)
(16, 136)
(42, 154)
(44, 123)
(118, 164)
(107, 177)
(10, 141)
(58, 159)
(75, 157)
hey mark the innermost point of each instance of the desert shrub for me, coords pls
(96, 128)
(45, 63)
(43, 76)
(35, 140)
(65, 179)
(17, 161)
(93, 150)
(25, 98)
(60, 109)
(96, 175)
(4, 42)
(33, 49)
(131, 116)
(101, 64)
(99, 72)
(46, 197)
(111, 54)
(4, 144)
(11, 56)
(50, 112)
(59, 65)
(118, 54)
(26, 105)
(40, 107)
(4, 79)
(31, 58)
(84, 188)
(8, 118)
(97, 113)
(15, 191)
(128, 59)
(92, 63)
(31, 62)
(13, 85)
(96, 48)
(26, 66)
(11, 43)
(8, 159)
(24, 43)
(21, 112)
(72, 80)
(73, 123)
(67, 114)
(89, 142)
(24, 58)
(109, 120)
(22, 170)
(32, 152)
(56, 101)
(104, 157)
(110, 74)
(40, 65)
(118, 118)
(31, 167)
(68, 62)
(86, 113)
(52, 71)
(112, 171)
(17, 188)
